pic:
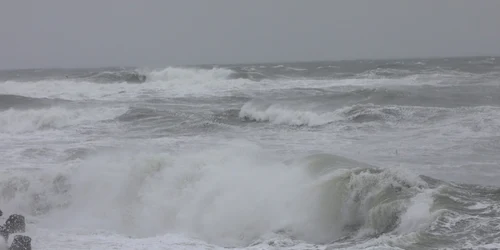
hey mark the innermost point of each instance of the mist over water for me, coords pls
(395, 154)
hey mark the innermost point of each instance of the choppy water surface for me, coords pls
(399, 154)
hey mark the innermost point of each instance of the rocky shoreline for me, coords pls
(14, 224)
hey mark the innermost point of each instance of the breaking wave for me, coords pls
(226, 200)
(166, 74)
(286, 114)
(293, 114)
(174, 73)
(281, 114)
(242, 200)
(128, 76)
(170, 82)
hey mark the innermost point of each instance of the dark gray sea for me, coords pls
(361, 154)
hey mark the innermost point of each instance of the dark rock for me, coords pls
(1, 213)
(4, 233)
(15, 224)
(21, 242)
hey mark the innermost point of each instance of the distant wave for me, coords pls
(249, 75)
(286, 114)
(386, 73)
(277, 113)
(176, 73)
(257, 72)
(139, 75)
(116, 77)
(18, 121)
(53, 118)
(281, 114)
(396, 71)
(219, 81)
(17, 101)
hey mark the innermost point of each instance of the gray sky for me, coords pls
(93, 33)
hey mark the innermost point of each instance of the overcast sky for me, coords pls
(94, 33)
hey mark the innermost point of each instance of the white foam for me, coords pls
(170, 82)
(85, 240)
(180, 82)
(228, 195)
(70, 90)
(479, 206)
(492, 246)
(213, 195)
(281, 114)
(418, 214)
(234, 194)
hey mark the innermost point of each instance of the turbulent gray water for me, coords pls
(388, 154)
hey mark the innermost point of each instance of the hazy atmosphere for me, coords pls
(96, 33)
(311, 125)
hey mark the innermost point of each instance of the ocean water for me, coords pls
(366, 154)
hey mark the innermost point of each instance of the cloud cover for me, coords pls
(95, 33)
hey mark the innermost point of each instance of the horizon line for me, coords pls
(258, 63)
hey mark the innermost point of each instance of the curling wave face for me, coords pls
(237, 201)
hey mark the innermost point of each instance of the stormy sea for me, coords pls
(358, 154)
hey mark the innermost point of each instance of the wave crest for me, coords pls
(239, 195)
(317, 114)
(226, 200)
(281, 114)
(117, 76)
